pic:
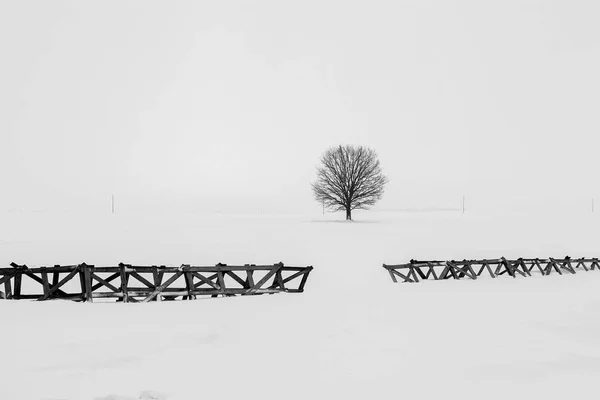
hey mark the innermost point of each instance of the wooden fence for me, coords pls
(472, 269)
(128, 283)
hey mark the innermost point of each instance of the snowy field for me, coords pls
(353, 334)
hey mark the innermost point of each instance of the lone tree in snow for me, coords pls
(349, 178)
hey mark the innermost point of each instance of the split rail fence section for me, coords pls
(472, 269)
(128, 283)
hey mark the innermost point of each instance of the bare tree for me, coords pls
(349, 178)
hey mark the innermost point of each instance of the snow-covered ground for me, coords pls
(353, 334)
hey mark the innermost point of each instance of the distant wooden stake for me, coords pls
(113, 203)
(463, 205)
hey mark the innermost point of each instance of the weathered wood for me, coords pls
(123, 271)
(304, 279)
(452, 272)
(36, 270)
(163, 286)
(220, 277)
(431, 271)
(581, 263)
(102, 295)
(553, 265)
(462, 271)
(472, 271)
(82, 282)
(157, 277)
(405, 277)
(481, 268)
(444, 273)
(153, 288)
(61, 283)
(414, 274)
(45, 283)
(56, 279)
(538, 265)
(474, 268)
(265, 278)
(189, 283)
(500, 269)
(566, 264)
(420, 272)
(489, 269)
(134, 295)
(508, 268)
(204, 280)
(296, 275)
(36, 297)
(250, 278)
(31, 275)
(236, 278)
(18, 279)
(521, 263)
(515, 267)
(392, 275)
(105, 282)
(140, 278)
(7, 277)
(278, 281)
(87, 280)
(148, 269)
(7, 289)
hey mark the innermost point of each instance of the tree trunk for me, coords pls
(348, 214)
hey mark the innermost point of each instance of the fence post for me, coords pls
(189, 281)
(221, 278)
(7, 289)
(157, 281)
(124, 280)
(45, 283)
(18, 278)
(87, 281)
(304, 278)
(279, 278)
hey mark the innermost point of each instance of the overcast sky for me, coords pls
(229, 105)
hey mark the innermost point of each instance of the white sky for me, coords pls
(228, 105)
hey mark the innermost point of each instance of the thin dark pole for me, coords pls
(463, 205)
(113, 203)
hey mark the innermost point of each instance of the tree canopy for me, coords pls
(349, 178)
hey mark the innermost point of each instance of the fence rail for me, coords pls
(129, 283)
(472, 269)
